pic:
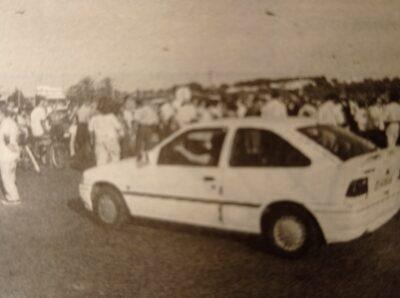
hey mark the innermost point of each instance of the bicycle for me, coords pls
(47, 150)
(28, 160)
(59, 154)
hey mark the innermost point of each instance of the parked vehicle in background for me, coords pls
(296, 183)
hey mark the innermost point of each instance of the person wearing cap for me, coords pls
(9, 154)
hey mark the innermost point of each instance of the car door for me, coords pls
(262, 167)
(187, 187)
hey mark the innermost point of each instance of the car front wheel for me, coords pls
(110, 208)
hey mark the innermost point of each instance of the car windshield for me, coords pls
(338, 141)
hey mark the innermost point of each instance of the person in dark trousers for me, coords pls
(83, 153)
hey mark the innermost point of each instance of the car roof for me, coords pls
(288, 122)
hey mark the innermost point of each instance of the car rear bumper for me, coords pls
(341, 226)
(85, 195)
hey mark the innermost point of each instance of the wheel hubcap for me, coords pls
(289, 233)
(107, 209)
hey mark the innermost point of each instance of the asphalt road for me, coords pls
(51, 247)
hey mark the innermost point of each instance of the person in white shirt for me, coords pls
(167, 111)
(9, 154)
(361, 118)
(167, 114)
(203, 112)
(147, 119)
(106, 132)
(126, 116)
(392, 120)
(38, 119)
(39, 127)
(241, 109)
(331, 112)
(186, 113)
(273, 108)
(127, 113)
(376, 115)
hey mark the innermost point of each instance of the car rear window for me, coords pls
(338, 141)
(263, 148)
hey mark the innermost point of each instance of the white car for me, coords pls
(295, 182)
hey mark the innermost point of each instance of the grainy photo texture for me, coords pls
(214, 148)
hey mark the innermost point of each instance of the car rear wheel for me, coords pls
(290, 231)
(110, 208)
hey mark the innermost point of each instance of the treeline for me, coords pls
(319, 87)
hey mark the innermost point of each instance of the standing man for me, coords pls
(38, 124)
(167, 114)
(83, 156)
(392, 120)
(147, 119)
(376, 127)
(126, 118)
(38, 118)
(331, 112)
(274, 108)
(9, 154)
(186, 113)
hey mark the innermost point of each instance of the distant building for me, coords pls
(50, 93)
(54, 95)
(295, 84)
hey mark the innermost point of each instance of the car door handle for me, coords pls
(208, 178)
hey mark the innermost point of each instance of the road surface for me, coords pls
(51, 247)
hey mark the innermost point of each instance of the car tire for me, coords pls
(290, 231)
(110, 208)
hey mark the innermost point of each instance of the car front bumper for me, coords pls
(85, 191)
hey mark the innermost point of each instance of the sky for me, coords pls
(158, 43)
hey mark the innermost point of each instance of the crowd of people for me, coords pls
(101, 131)
(138, 125)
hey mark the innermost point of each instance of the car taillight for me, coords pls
(358, 187)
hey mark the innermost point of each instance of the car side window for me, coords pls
(263, 148)
(197, 147)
